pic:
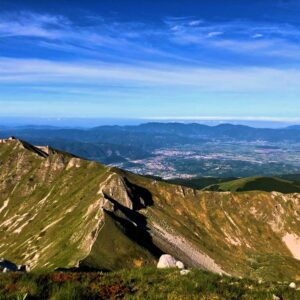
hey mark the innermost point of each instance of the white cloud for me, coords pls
(32, 25)
(32, 72)
(130, 38)
(109, 40)
(257, 35)
(267, 39)
(195, 22)
(214, 33)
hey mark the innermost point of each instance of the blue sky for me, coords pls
(151, 59)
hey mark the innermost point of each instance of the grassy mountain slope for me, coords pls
(57, 210)
(268, 184)
(199, 182)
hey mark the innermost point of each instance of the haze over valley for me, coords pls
(176, 150)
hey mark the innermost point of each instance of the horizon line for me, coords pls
(163, 118)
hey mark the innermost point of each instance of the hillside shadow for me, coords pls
(141, 197)
(134, 225)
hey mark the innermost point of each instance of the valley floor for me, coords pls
(145, 283)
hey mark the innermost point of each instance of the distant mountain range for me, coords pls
(60, 211)
(119, 143)
(160, 132)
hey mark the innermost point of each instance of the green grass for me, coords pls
(199, 182)
(113, 250)
(267, 184)
(145, 283)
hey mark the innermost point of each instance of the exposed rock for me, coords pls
(7, 266)
(189, 254)
(22, 268)
(116, 189)
(166, 261)
(179, 265)
(275, 297)
(3, 141)
(292, 285)
(184, 272)
(292, 241)
(73, 163)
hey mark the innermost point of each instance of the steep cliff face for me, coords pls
(57, 210)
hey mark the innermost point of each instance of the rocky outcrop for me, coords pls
(129, 195)
(4, 141)
(166, 261)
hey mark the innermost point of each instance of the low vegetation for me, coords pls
(145, 283)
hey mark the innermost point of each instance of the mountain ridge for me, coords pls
(60, 211)
(241, 132)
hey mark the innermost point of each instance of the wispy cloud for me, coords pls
(62, 30)
(94, 73)
(266, 39)
(169, 40)
(28, 24)
(110, 51)
(207, 66)
(214, 33)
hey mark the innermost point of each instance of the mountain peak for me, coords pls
(43, 151)
(10, 139)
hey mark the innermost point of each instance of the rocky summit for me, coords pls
(60, 211)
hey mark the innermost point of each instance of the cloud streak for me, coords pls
(25, 71)
(161, 41)
(188, 59)
(28, 24)
(246, 37)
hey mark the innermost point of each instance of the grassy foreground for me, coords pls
(146, 283)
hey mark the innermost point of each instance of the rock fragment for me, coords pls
(166, 261)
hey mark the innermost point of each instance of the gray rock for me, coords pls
(292, 285)
(179, 265)
(184, 272)
(22, 268)
(166, 261)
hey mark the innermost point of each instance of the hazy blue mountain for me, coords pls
(153, 134)
(114, 144)
(106, 153)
